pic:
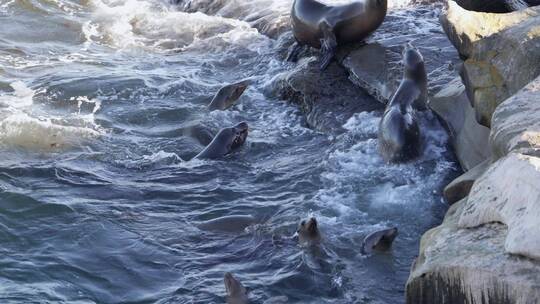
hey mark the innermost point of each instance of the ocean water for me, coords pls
(99, 197)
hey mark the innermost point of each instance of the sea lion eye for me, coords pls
(303, 223)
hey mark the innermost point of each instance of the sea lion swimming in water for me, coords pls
(226, 141)
(379, 240)
(399, 133)
(325, 27)
(228, 95)
(236, 292)
(308, 233)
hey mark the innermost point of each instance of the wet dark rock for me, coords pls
(328, 99)
(491, 6)
(376, 66)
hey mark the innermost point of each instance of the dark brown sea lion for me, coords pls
(228, 95)
(325, 27)
(379, 240)
(225, 142)
(399, 132)
(236, 292)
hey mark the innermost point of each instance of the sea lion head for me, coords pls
(413, 63)
(308, 232)
(412, 58)
(236, 292)
(228, 95)
(379, 240)
(239, 134)
(225, 142)
(234, 137)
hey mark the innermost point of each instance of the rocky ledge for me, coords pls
(487, 250)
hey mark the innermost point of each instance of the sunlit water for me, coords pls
(99, 201)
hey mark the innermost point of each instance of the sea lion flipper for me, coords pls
(328, 45)
(294, 52)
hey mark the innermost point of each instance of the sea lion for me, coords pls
(308, 233)
(229, 223)
(379, 240)
(228, 95)
(236, 292)
(415, 70)
(226, 141)
(399, 133)
(325, 27)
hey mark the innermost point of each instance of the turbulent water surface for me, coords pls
(99, 201)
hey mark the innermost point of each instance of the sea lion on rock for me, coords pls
(308, 233)
(228, 95)
(225, 142)
(230, 223)
(325, 27)
(379, 240)
(415, 70)
(236, 292)
(399, 133)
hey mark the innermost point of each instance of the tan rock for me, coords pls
(516, 122)
(470, 266)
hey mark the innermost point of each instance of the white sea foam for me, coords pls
(22, 125)
(143, 24)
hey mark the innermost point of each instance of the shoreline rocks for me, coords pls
(458, 266)
(487, 250)
(501, 52)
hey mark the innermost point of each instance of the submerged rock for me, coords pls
(501, 50)
(327, 99)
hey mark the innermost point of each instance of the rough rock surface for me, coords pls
(509, 193)
(516, 122)
(459, 188)
(469, 138)
(502, 51)
(488, 248)
(327, 99)
(376, 66)
(458, 266)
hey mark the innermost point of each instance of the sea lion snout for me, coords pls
(240, 134)
(308, 232)
(236, 292)
(237, 89)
